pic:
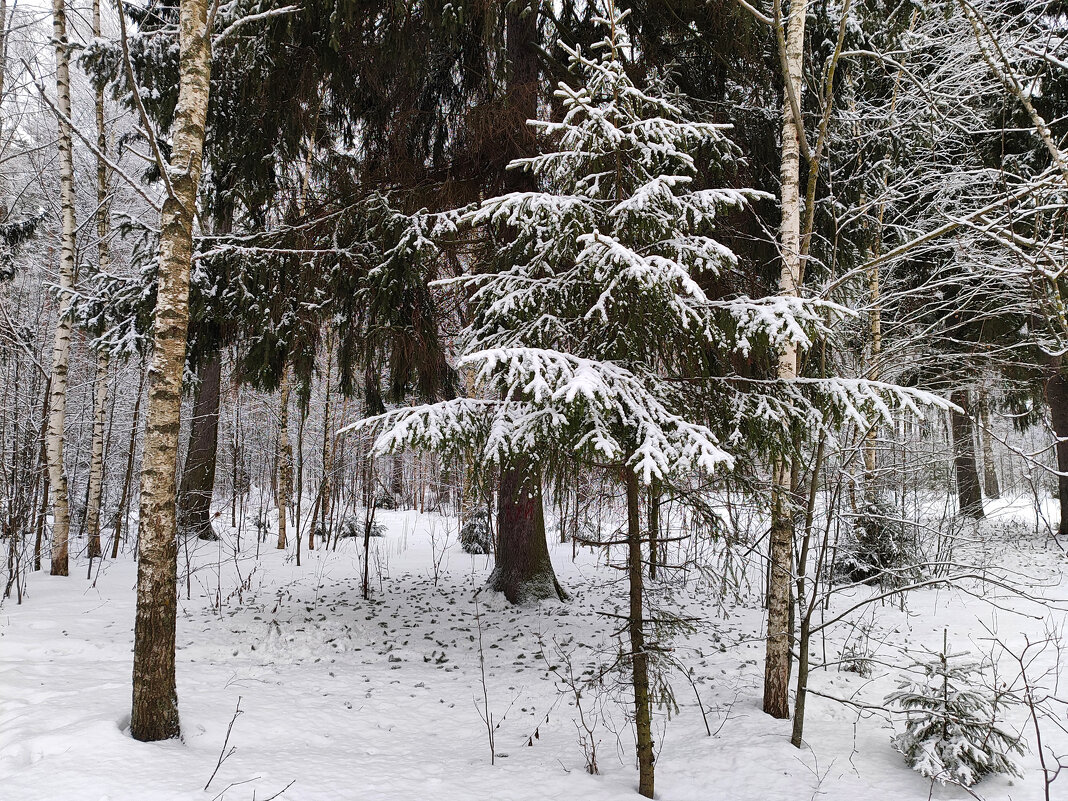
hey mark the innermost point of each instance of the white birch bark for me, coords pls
(100, 394)
(155, 699)
(57, 407)
(285, 463)
(777, 658)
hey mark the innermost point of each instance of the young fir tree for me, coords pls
(591, 308)
(952, 732)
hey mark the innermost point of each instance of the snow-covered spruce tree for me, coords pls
(593, 308)
(952, 733)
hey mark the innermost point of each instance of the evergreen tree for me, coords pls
(952, 731)
(590, 320)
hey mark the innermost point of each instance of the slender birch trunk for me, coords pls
(122, 513)
(990, 473)
(3, 60)
(96, 465)
(297, 477)
(871, 437)
(285, 463)
(42, 464)
(57, 411)
(777, 658)
(155, 698)
(328, 453)
(100, 394)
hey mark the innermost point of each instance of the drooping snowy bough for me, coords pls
(604, 327)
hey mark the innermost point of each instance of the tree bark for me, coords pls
(100, 394)
(96, 466)
(57, 413)
(42, 512)
(969, 490)
(639, 656)
(396, 480)
(325, 486)
(3, 60)
(871, 436)
(285, 463)
(654, 527)
(198, 477)
(780, 551)
(122, 512)
(155, 697)
(991, 485)
(523, 570)
(1057, 400)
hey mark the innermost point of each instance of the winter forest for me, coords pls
(526, 399)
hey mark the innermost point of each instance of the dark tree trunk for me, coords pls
(969, 489)
(198, 478)
(523, 570)
(654, 527)
(1057, 400)
(643, 723)
(396, 480)
(779, 597)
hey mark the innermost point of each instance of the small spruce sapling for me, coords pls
(952, 733)
(880, 549)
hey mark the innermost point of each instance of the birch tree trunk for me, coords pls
(325, 487)
(100, 394)
(42, 462)
(122, 512)
(155, 699)
(285, 463)
(57, 407)
(96, 464)
(777, 656)
(3, 60)
(871, 437)
(990, 473)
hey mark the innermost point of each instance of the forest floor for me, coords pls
(343, 698)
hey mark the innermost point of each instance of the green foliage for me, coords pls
(953, 732)
(880, 548)
(13, 233)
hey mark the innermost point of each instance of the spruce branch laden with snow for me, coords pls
(953, 731)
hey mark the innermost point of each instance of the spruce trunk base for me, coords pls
(523, 570)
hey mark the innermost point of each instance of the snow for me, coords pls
(378, 699)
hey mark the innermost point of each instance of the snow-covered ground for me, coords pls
(343, 698)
